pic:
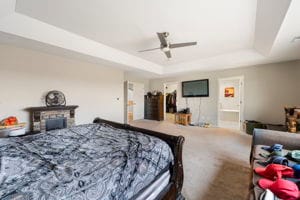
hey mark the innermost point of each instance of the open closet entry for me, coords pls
(170, 93)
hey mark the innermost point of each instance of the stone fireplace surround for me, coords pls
(40, 115)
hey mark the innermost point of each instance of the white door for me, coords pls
(138, 101)
(230, 107)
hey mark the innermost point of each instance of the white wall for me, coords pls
(134, 77)
(171, 87)
(268, 88)
(26, 75)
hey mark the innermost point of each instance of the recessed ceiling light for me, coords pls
(296, 39)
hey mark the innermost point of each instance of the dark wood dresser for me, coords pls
(154, 107)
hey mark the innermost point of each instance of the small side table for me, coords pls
(183, 118)
(4, 134)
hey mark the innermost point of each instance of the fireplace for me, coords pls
(56, 123)
(49, 118)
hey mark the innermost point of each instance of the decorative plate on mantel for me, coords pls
(55, 98)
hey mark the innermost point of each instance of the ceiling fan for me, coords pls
(166, 46)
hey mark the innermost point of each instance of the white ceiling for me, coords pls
(231, 33)
(131, 25)
(290, 28)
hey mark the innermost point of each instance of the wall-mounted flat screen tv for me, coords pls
(197, 88)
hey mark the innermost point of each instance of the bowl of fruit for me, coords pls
(10, 126)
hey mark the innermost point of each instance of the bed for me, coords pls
(103, 160)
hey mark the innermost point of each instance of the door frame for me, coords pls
(241, 94)
(126, 83)
(165, 105)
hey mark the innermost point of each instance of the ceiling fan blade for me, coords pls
(168, 54)
(149, 49)
(162, 39)
(172, 46)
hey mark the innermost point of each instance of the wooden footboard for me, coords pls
(173, 189)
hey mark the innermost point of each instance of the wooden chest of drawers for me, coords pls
(154, 107)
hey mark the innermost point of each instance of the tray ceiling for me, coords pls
(230, 33)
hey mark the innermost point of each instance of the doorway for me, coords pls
(230, 105)
(134, 101)
(170, 103)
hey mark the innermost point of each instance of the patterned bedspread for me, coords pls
(94, 161)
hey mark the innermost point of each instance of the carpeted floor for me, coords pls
(216, 160)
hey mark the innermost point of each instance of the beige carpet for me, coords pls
(216, 160)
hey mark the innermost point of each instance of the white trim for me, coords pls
(231, 78)
(126, 83)
(241, 95)
(17, 24)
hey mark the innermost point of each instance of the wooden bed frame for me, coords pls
(173, 190)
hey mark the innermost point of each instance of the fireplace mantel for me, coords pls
(40, 116)
(45, 108)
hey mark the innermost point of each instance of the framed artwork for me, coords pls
(229, 92)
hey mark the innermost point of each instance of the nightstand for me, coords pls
(183, 118)
(4, 134)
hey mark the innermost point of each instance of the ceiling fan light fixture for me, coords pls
(166, 46)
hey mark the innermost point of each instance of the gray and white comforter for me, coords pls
(86, 162)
